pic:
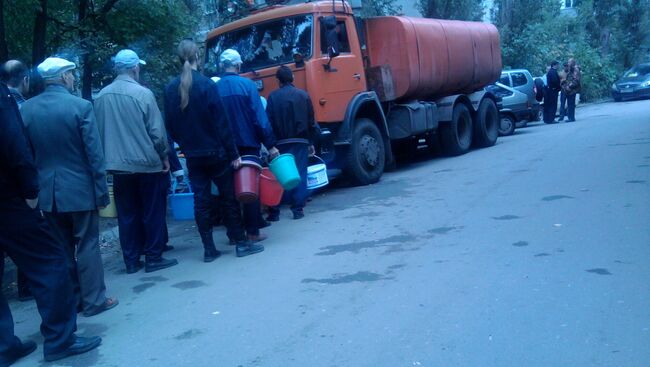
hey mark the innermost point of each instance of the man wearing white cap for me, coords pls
(136, 150)
(250, 126)
(26, 237)
(72, 178)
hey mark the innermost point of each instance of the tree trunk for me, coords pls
(86, 65)
(40, 33)
(4, 50)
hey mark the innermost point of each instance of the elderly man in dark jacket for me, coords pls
(553, 87)
(70, 163)
(249, 123)
(292, 116)
(25, 236)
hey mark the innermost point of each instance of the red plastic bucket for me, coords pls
(270, 189)
(247, 180)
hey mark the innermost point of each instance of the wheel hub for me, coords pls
(369, 148)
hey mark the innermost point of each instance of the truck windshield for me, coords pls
(266, 44)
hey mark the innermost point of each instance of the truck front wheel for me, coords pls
(367, 154)
(486, 126)
(456, 136)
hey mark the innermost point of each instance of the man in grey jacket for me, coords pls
(136, 148)
(72, 178)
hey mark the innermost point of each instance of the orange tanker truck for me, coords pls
(375, 83)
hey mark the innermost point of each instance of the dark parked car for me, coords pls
(514, 107)
(521, 80)
(634, 84)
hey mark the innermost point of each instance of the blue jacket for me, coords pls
(248, 120)
(202, 128)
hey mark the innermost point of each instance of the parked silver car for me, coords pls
(514, 108)
(522, 80)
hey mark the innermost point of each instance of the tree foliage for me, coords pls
(451, 9)
(91, 32)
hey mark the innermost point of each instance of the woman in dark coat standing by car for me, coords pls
(553, 87)
(195, 118)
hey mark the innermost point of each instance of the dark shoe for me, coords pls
(25, 349)
(80, 345)
(25, 297)
(130, 269)
(560, 119)
(246, 248)
(264, 224)
(298, 214)
(168, 248)
(108, 304)
(571, 120)
(154, 265)
(273, 217)
(257, 238)
(210, 255)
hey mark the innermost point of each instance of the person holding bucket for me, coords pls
(292, 116)
(250, 127)
(195, 119)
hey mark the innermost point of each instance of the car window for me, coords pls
(519, 79)
(505, 79)
(499, 91)
(639, 70)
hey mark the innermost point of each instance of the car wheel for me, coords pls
(507, 125)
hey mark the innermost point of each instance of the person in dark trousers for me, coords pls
(563, 74)
(136, 152)
(292, 116)
(25, 237)
(572, 87)
(72, 178)
(178, 175)
(16, 76)
(250, 126)
(195, 118)
(551, 92)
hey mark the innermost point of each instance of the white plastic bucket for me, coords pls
(317, 175)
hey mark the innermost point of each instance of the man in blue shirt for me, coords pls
(249, 123)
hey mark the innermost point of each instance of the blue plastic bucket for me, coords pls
(182, 204)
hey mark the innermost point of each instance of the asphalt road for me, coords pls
(531, 253)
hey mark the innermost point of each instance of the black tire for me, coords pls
(367, 154)
(486, 125)
(456, 136)
(617, 98)
(507, 125)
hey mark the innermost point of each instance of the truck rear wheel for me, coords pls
(486, 126)
(456, 136)
(367, 154)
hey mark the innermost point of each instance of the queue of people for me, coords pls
(56, 150)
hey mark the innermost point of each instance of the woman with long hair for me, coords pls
(195, 119)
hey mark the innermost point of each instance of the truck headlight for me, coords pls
(645, 84)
